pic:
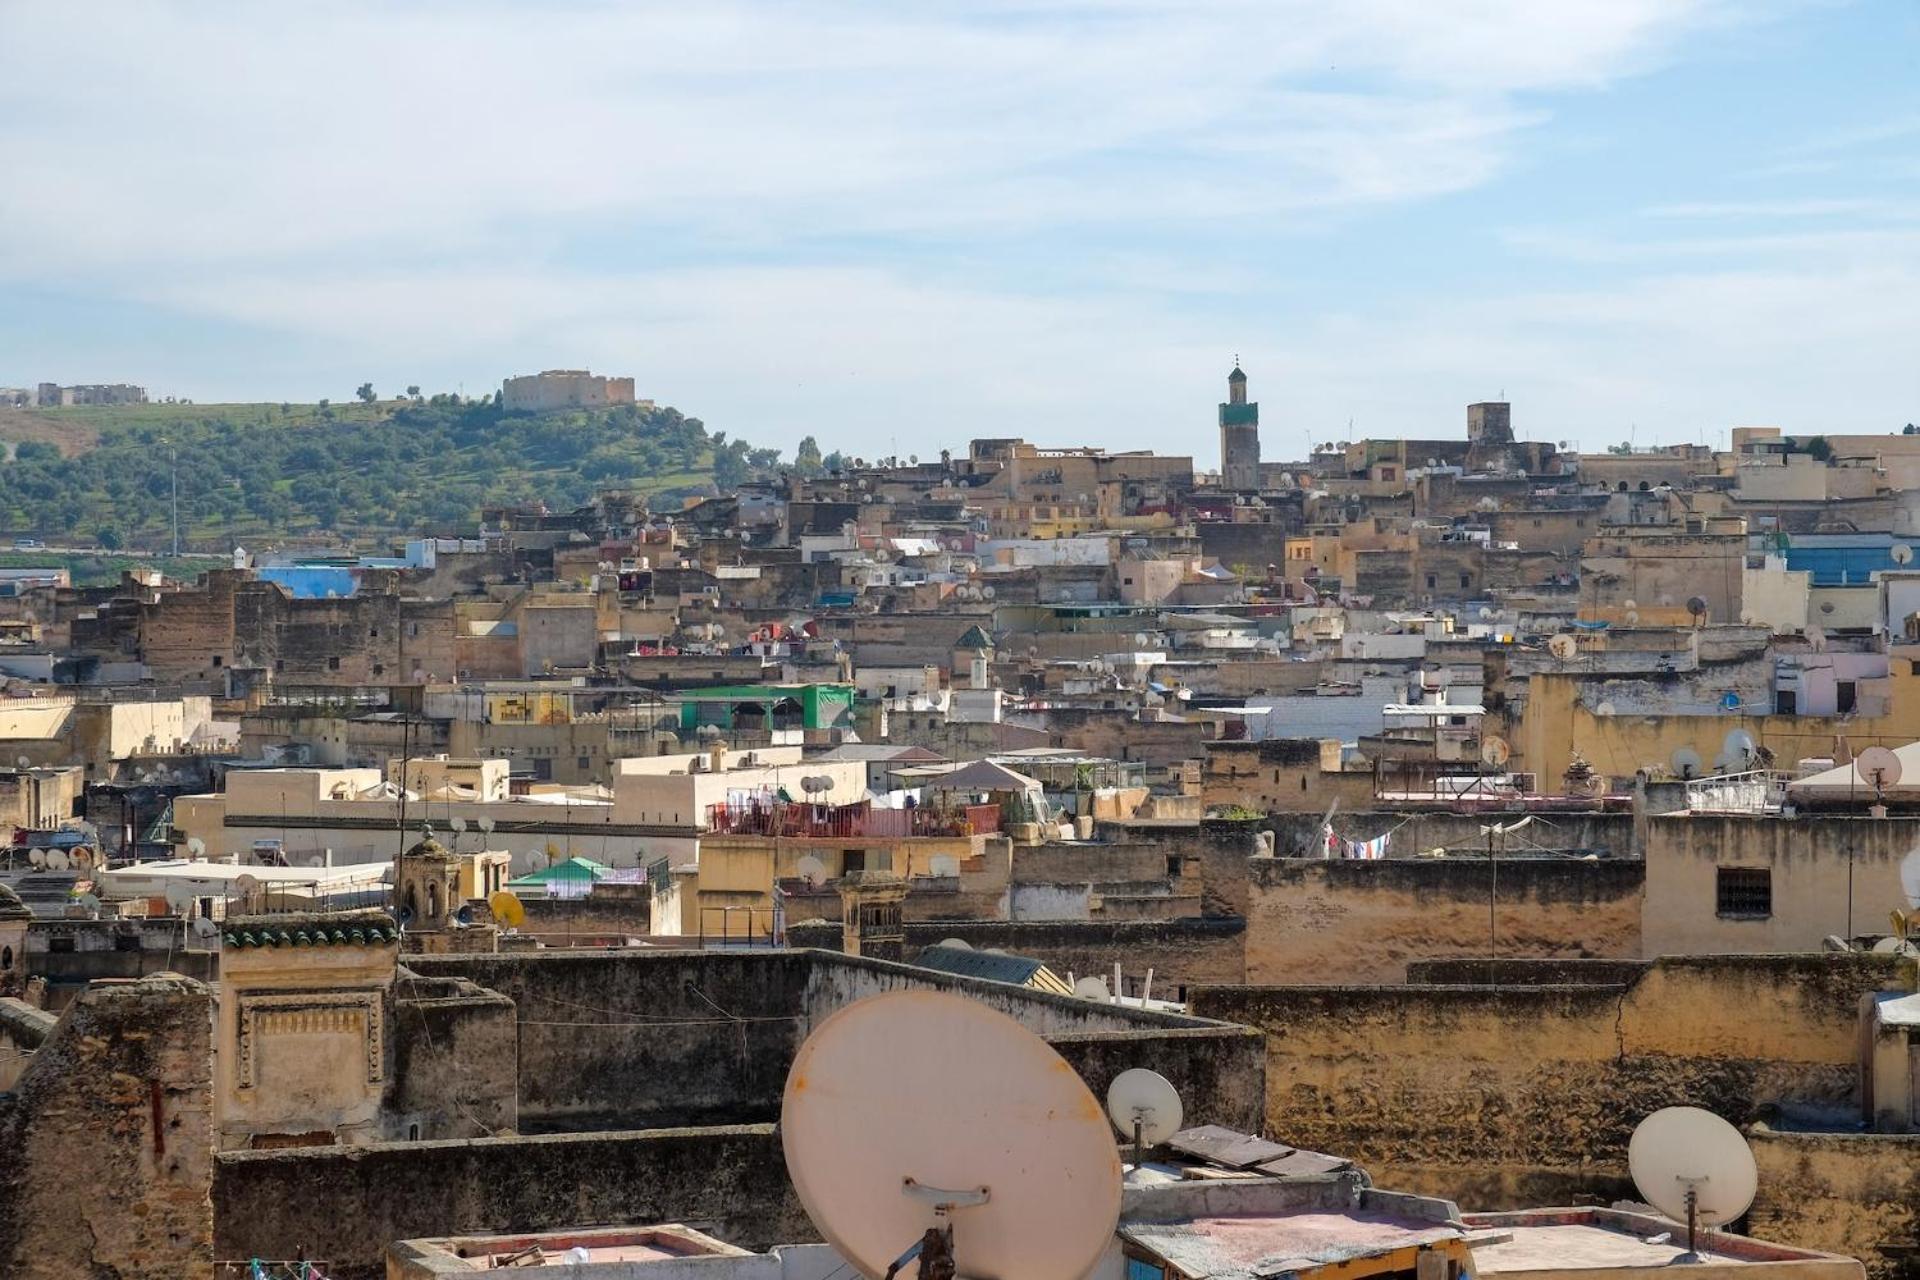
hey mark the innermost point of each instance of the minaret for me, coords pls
(1239, 436)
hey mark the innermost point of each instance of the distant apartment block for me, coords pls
(564, 389)
(51, 395)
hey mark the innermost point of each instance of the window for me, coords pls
(216, 659)
(1173, 866)
(1432, 582)
(585, 763)
(1743, 892)
(1465, 581)
(1845, 696)
(333, 662)
(60, 946)
(853, 860)
(1786, 702)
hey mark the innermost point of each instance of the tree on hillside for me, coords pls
(413, 392)
(365, 392)
(806, 457)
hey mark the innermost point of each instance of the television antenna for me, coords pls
(1144, 1106)
(922, 1127)
(1694, 1167)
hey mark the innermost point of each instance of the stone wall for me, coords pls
(456, 1061)
(121, 1093)
(1205, 949)
(1500, 1097)
(1602, 833)
(1313, 920)
(1852, 1193)
(23, 1029)
(344, 1205)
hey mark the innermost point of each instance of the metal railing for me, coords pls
(1755, 791)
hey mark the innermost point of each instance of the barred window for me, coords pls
(1744, 891)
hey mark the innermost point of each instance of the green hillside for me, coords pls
(99, 475)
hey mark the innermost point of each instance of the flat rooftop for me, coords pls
(1598, 1241)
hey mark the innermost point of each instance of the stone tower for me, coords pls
(1239, 436)
(870, 915)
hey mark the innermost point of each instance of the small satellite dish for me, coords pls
(1093, 988)
(57, 860)
(1144, 1106)
(465, 914)
(486, 825)
(459, 825)
(1729, 701)
(1816, 638)
(813, 871)
(1633, 617)
(196, 847)
(1901, 553)
(246, 885)
(1486, 613)
(37, 858)
(1697, 606)
(1495, 752)
(316, 860)
(507, 909)
(1694, 1167)
(1563, 646)
(961, 944)
(1686, 763)
(203, 927)
(406, 916)
(919, 1118)
(179, 897)
(1604, 709)
(1630, 603)
(1878, 767)
(25, 762)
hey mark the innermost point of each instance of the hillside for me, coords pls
(99, 475)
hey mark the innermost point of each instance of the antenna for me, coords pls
(1694, 1167)
(196, 847)
(1879, 768)
(922, 1126)
(1144, 1106)
(1686, 762)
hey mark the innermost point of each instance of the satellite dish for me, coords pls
(961, 944)
(1697, 606)
(1495, 752)
(1093, 988)
(1692, 1166)
(179, 896)
(1686, 763)
(486, 825)
(1910, 876)
(1486, 613)
(1563, 646)
(1633, 617)
(1895, 947)
(57, 860)
(196, 847)
(813, 871)
(1878, 767)
(1604, 709)
(1816, 638)
(316, 860)
(1730, 701)
(1144, 1106)
(203, 927)
(1901, 553)
(25, 762)
(406, 916)
(465, 914)
(37, 858)
(1739, 747)
(919, 1118)
(459, 826)
(507, 909)
(1631, 603)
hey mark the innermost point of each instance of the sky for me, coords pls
(896, 227)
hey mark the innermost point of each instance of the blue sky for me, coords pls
(895, 227)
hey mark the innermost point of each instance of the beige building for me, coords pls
(564, 389)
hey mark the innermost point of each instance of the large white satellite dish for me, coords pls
(1563, 646)
(1093, 987)
(37, 858)
(57, 860)
(196, 847)
(916, 1122)
(1144, 1106)
(1694, 1167)
(1686, 763)
(179, 897)
(813, 871)
(1878, 767)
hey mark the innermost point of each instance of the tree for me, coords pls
(108, 537)
(413, 392)
(806, 457)
(365, 392)
(1819, 448)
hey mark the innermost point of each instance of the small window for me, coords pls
(1743, 892)
(585, 763)
(1786, 702)
(60, 946)
(1465, 581)
(333, 662)
(1173, 867)
(1845, 696)
(1432, 581)
(853, 860)
(216, 659)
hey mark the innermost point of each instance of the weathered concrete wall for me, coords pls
(636, 1040)
(122, 1095)
(23, 1029)
(1181, 953)
(456, 1061)
(1852, 1193)
(344, 1204)
(1312, 920)
(1500, 1097)
(1603, 833)
(1813, 860)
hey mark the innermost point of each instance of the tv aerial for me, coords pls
(922, 1128)
(1694, 1167)
(1145, 1107)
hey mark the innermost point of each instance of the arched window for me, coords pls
(433, 901)
(6, 957)
(412, 904)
